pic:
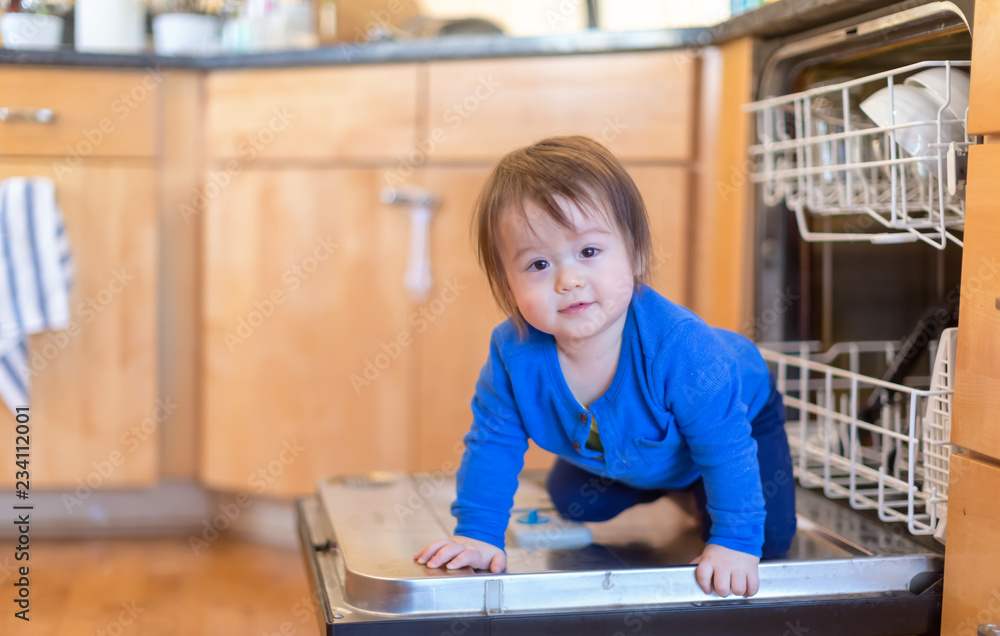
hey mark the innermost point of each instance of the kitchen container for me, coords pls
(31, 31)
(185, 34)
(110, 26)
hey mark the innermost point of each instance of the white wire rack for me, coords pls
(896, 464)
(937, 426)
(822, 156)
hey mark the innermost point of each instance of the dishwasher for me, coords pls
(858, 244)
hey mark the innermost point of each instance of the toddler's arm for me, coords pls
(487, 478)
(703, 391)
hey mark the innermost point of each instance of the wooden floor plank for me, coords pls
(157, 587)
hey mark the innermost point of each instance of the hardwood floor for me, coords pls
(154, 587)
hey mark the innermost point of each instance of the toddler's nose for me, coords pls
(569, 279)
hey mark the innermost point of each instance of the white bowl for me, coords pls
(911, 105)
(935, 81)
(185, 34)
(31, 31)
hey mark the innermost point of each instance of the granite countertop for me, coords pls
(771, 20)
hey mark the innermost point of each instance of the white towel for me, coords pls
(36, 273)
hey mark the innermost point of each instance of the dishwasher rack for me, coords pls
(896, 464)
(821, 155)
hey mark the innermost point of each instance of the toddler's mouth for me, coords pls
(575, 308)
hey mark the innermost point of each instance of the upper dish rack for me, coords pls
(835, 155)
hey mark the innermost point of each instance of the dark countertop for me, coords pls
(772, 20)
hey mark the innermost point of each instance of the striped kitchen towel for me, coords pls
(36, 273)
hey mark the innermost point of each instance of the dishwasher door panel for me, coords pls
(846, 572)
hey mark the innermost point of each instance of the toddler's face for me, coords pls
(574, 283)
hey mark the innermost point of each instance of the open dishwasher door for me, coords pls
(846, 572)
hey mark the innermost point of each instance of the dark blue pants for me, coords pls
(568, 483)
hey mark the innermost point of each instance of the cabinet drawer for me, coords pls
(96, 113)
(972, 561)
(977, 361)
(367, 112)
(640, 104)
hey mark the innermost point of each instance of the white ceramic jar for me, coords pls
(110, 26)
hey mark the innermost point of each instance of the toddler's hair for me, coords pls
(575, 168)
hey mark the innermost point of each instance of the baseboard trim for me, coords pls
(172, 508)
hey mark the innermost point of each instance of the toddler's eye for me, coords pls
(537, 266)
(589, 252)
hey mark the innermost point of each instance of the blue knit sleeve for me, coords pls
(493, 457)
(702, 389)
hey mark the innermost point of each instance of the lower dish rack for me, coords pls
(895, 463)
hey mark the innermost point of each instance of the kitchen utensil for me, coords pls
(827, 118)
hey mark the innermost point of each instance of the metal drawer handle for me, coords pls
(988, 629)
(40, 115)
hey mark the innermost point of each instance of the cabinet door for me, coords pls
(461, 312)
(640, 104)
(94, 409)
(972, 561)
(664, 190)
(977, 361)
(453, 345)
(363, 112)
(307, 348)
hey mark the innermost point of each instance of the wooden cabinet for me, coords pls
(972, 569)
(972, 562)
(348, 112)
(977, 370)
(984, 111)
(640, 104)
(664, 189)
(307, 332)
(181, 174)
(346, 365)
(454, 346)
(94, 403)
(93, 390)
(95, 113)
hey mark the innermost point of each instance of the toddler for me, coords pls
(636, 396)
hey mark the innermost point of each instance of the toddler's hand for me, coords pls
(458, 552)
(731, 570)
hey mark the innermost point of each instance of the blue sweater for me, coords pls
(677, 408)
